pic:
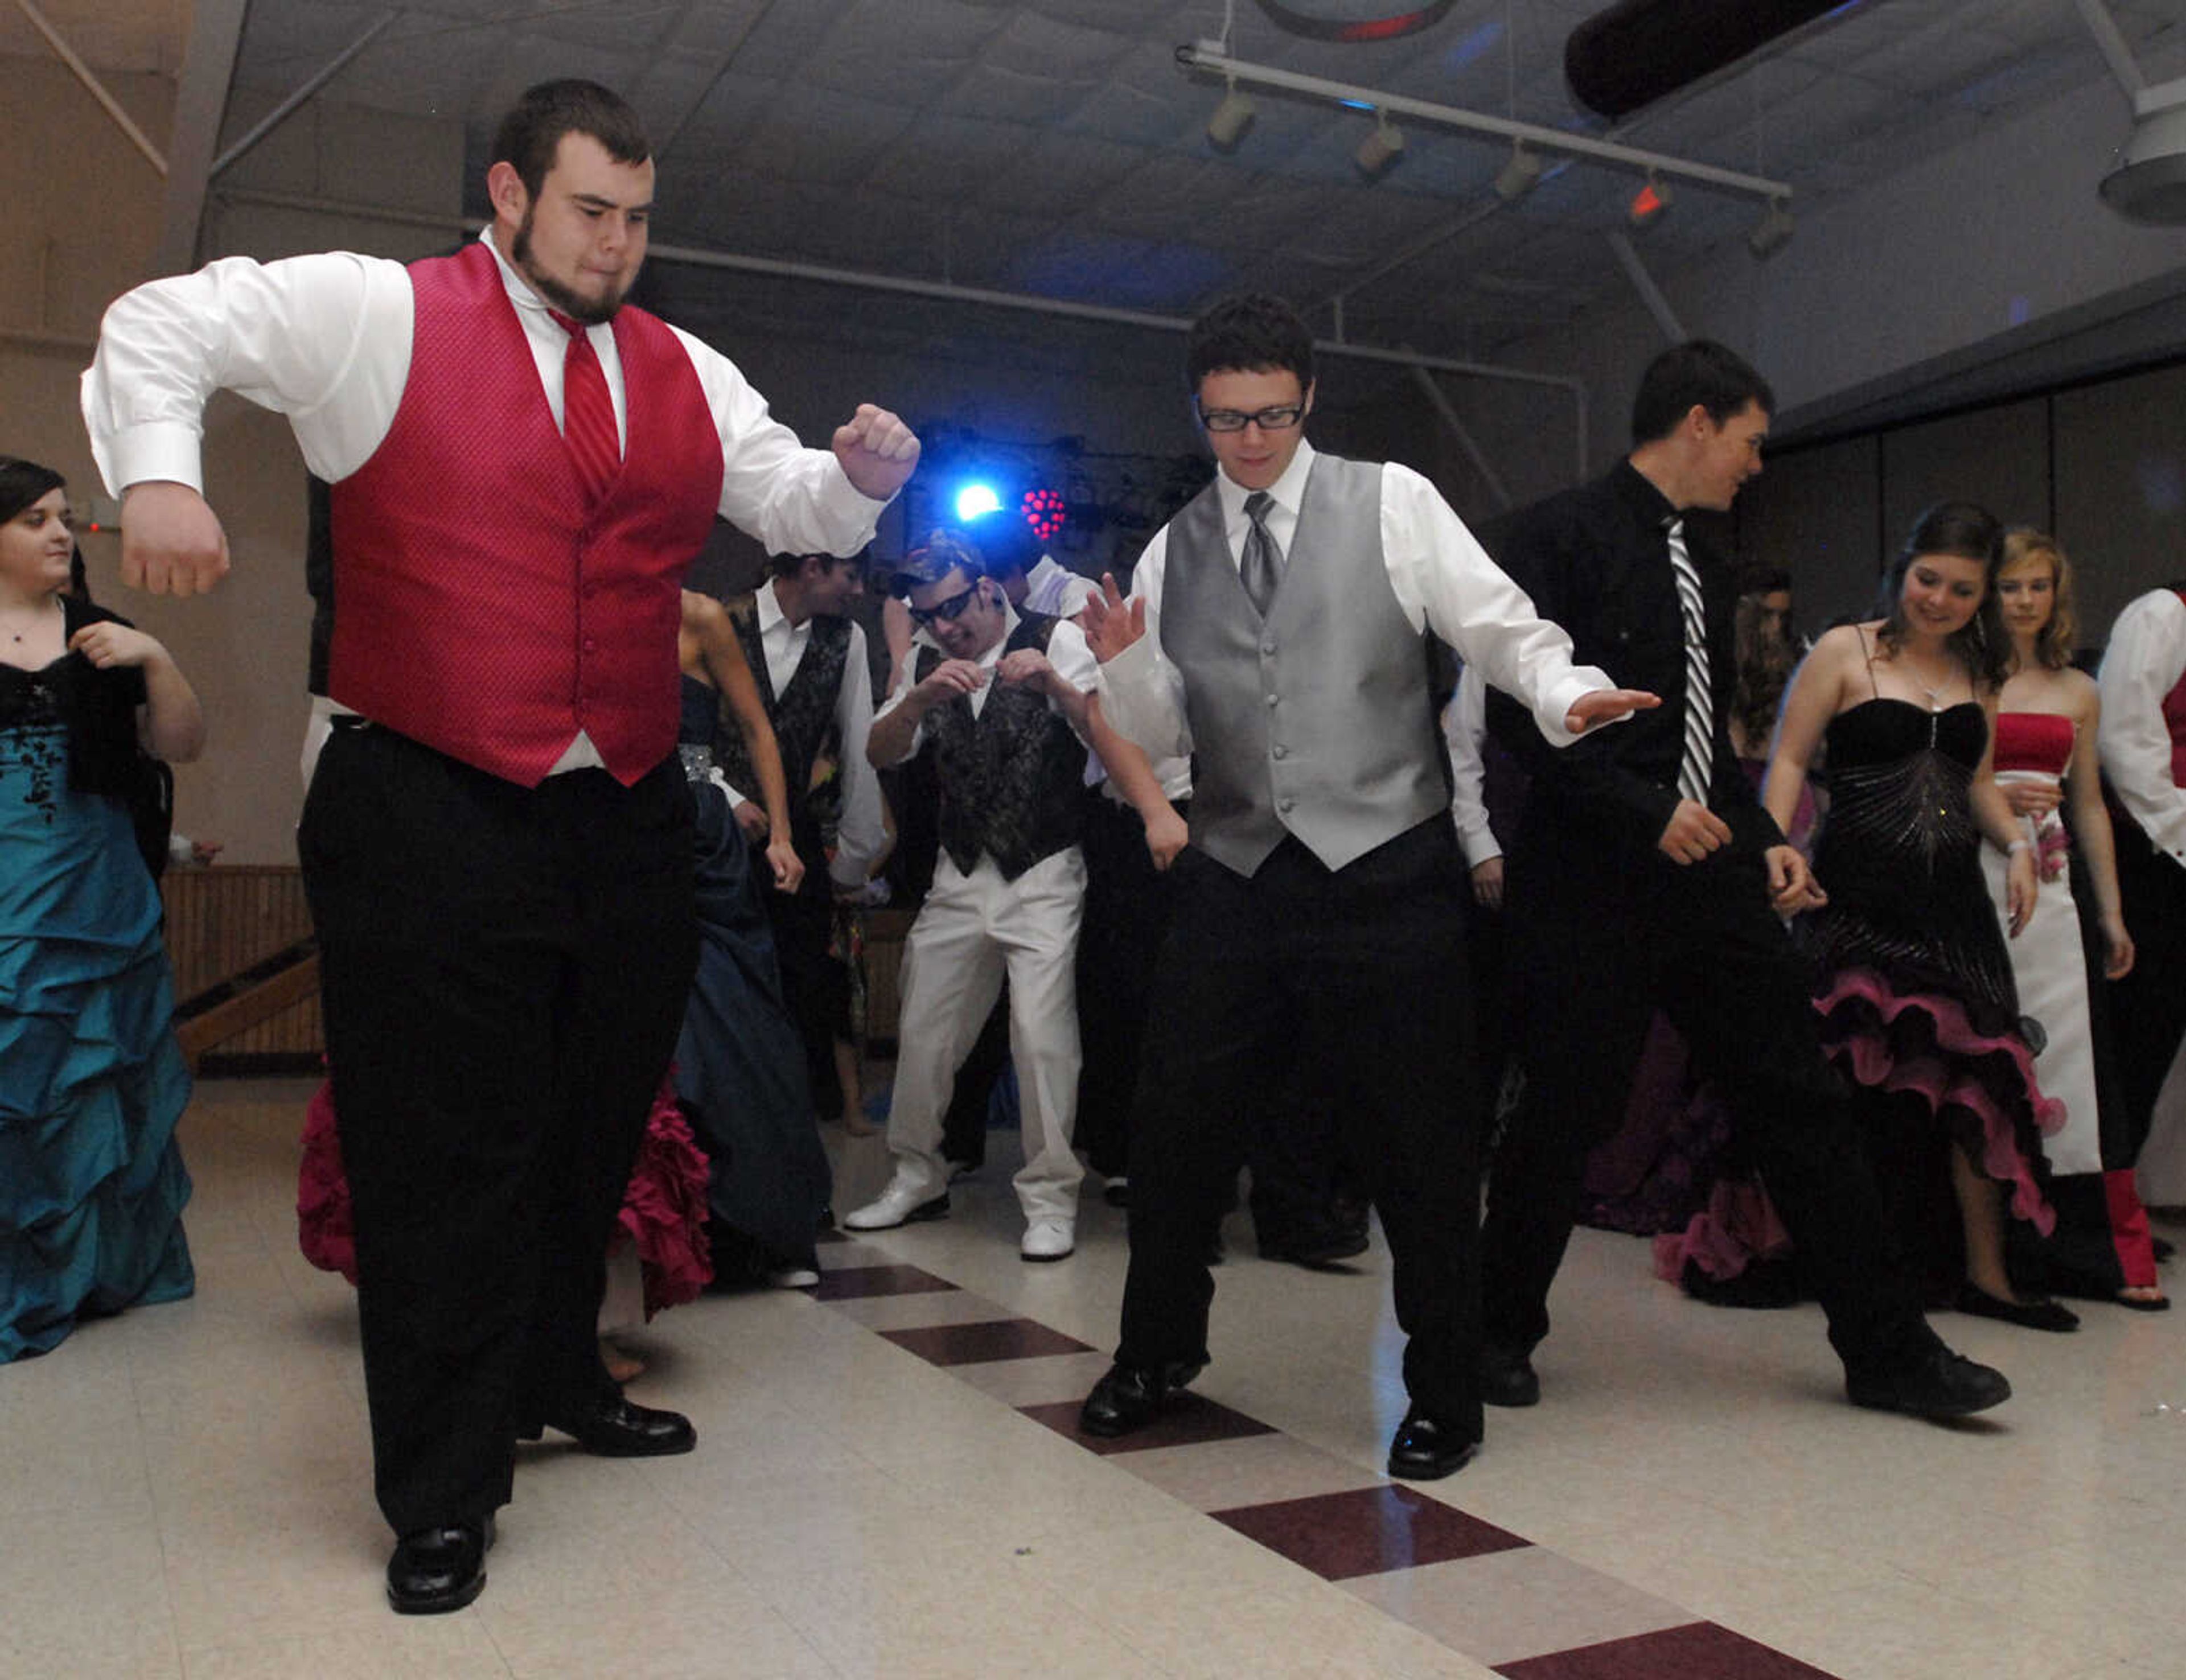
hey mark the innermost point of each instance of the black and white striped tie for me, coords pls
(1699, 761)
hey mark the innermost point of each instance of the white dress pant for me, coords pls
(971, 930)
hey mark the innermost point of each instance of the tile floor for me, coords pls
(889, 1483)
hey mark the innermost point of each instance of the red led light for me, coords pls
(1043, 512)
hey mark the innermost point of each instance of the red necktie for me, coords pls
(588, 421)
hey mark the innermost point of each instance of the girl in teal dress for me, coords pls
(92, 1084)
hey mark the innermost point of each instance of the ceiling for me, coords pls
(1055, 148)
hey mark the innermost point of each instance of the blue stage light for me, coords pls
(975, 502)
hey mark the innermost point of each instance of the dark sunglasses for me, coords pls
(951, 609)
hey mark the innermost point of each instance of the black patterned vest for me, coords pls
(803, 719)
(1013, 778)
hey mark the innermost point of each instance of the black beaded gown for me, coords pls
(1913, 981)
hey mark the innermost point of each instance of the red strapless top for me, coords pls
(2033, 741)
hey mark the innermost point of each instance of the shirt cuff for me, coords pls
(168, 451)
(1479, 847)
(1557, 699)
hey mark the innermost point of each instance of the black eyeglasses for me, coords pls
(951, 609)
(1280, 418)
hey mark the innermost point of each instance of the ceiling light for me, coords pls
(1773, 232)
(1649, 203)
(1231, 118)
(1518, 175)
(1379, 149)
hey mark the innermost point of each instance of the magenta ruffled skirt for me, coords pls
(1980, 1084)
(664, 1210)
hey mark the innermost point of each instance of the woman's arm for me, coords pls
(2004, 831)
(722, 657)
(170, 724)
(1133, 773)
(1809, 703)
(2091, 829)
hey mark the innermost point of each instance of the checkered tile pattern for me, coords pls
(1493, 1595)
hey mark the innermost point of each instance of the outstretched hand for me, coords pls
(1607, 705)
(1112, 623)
(877, 452)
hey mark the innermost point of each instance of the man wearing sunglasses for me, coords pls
(1276, 631)
(1000, 698)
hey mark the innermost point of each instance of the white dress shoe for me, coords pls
(902, 1203)
(1049, 1238)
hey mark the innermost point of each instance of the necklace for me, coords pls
(38, 615)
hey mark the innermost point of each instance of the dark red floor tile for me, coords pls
(1699, 1649)
(850, 1283)
(1367, 1531)
(978, 1344)
(1186, 1420)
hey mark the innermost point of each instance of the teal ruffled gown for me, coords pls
(92, 1082)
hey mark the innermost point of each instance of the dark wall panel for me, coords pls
(2122, 489)
(1814, 514)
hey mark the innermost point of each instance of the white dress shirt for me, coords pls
(863, 830)
(1067, 651)
(1056, 591)
(1465, 727)
(2144, 663)
(326, 339)
(1442, 580)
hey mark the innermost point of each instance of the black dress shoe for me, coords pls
(1130, 1397)
(1508, 1379)
(619, 1429)
(1423, 1450)
(434, 1571)
(2037, 1315)
(1937, 1383)
(1315, 1247)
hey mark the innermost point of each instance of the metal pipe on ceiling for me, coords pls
(97, 89)
(1556, 140)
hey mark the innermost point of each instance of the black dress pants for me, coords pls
(2147, 1007)
(1127, 905)
(504, 973)
(1359, 970)
(1593, 953)
(816, 983)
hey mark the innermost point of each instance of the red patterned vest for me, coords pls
(2174, 720)
(479, 605)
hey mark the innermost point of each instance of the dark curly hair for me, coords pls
(1254, 333)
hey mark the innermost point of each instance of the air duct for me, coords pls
(1639, 50)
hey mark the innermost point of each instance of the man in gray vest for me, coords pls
(1001, 699)
(1276, 631)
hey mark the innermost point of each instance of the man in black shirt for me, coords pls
(1645, 875)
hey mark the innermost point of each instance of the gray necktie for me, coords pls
(1698, 763)
(1261, 566)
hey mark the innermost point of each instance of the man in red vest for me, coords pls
(496, 843)
(2144, 751)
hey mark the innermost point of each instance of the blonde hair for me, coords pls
(2052, 647)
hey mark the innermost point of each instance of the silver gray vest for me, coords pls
(1318, 721)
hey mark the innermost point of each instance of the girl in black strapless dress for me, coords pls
(1913, 981)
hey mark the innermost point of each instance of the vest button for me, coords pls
(1269, 646)
(1281, 751)
(1273, 698)
(591, 645)
(1284, 802)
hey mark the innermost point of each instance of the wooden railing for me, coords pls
(246, 971)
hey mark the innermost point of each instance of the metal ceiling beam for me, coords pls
(1465, 441)
(97, 89)
(200, 104)
(1558, 141)
(945, 291)
(1658, 305)
(303, 95)
(2111, 41)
